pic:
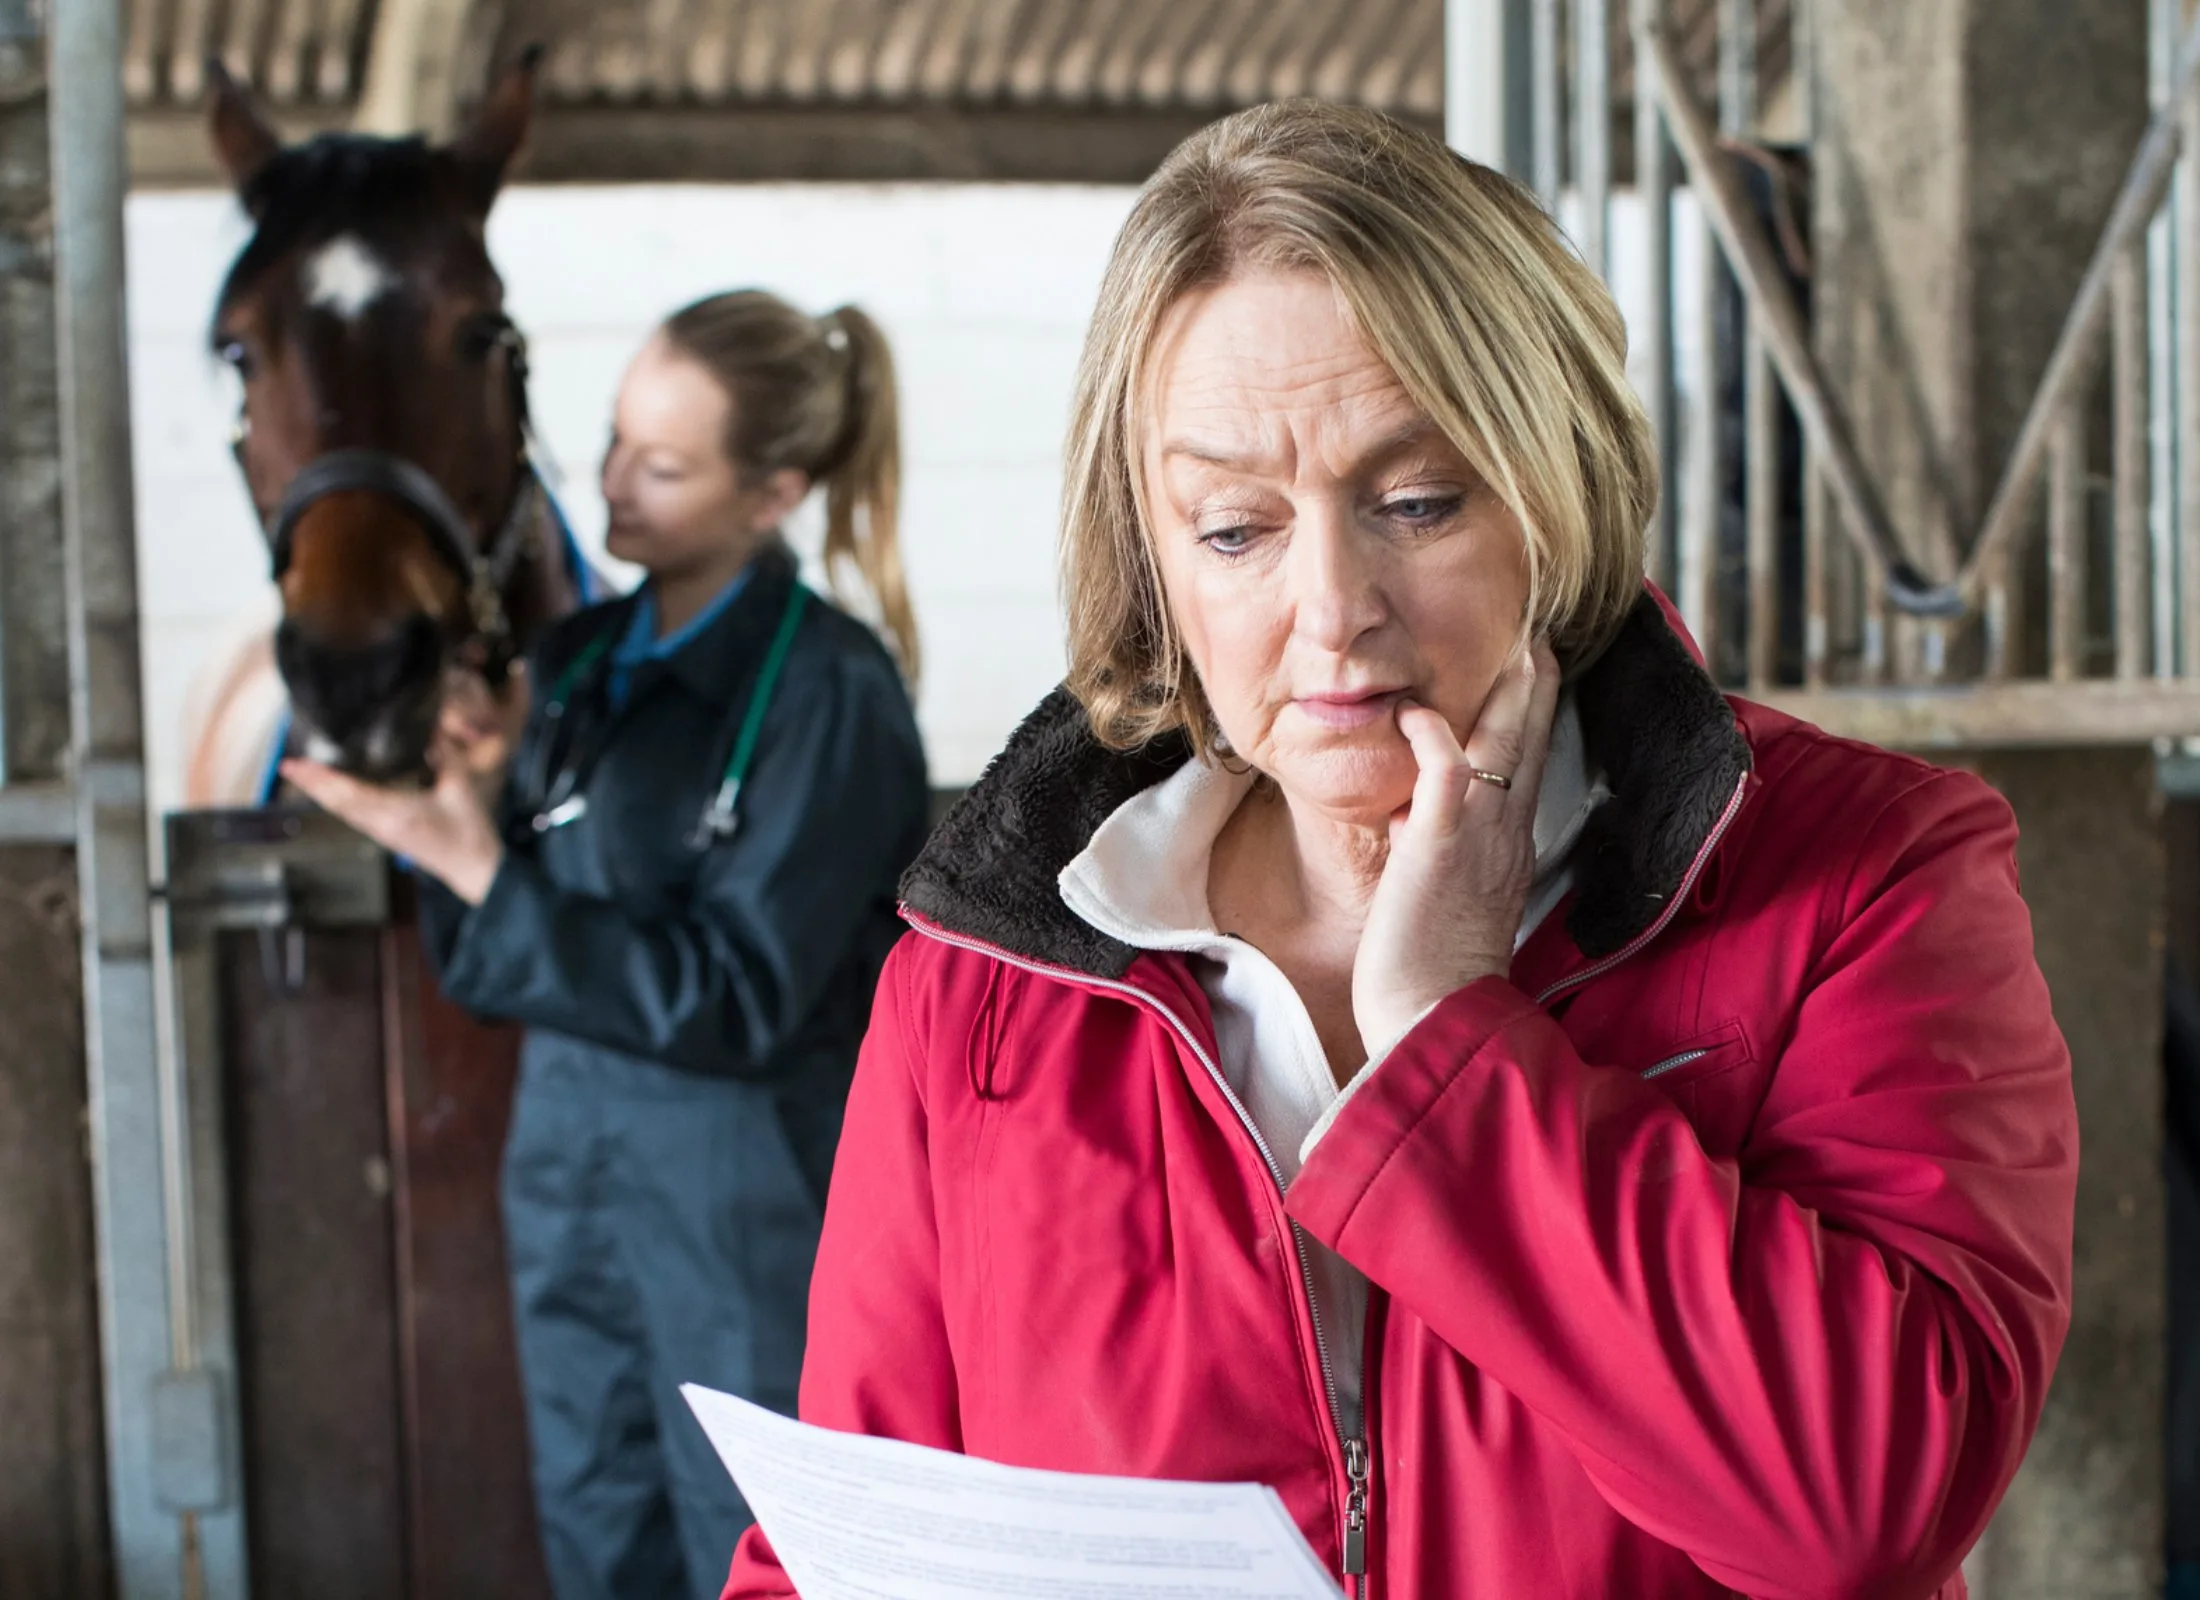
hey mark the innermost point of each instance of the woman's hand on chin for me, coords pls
(1462, 854)
(446, 831)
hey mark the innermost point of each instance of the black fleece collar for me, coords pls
(1655, 724)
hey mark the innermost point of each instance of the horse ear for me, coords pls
(242, 138)
(486, 145)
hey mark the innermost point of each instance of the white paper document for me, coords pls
(856, 1518)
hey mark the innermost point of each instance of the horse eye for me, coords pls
(478, 339)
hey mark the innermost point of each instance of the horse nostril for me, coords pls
(291, 650)
(410, 658)
(343, 693)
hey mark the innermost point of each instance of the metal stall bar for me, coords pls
(1818, 597)
(1760, 417)
(1654, 188)
(2066, 546)
(2186, 322)
(37, 813)
(1817, 578)
(1477, 81)
(1547, 102)
(1695, 560)
(1761, 504)
(2128, 410)
(169, 1432)
(1871, 661)
(1696, 531)
(120, 1055)
(2162, 24)
(1593, 133)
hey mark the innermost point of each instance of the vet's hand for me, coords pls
(446, 830)
(480, 727)
(1462, 854)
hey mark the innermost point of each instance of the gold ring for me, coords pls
(1498, 778)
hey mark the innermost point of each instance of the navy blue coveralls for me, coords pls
(692, 1014)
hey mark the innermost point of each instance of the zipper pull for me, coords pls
(1355, 1508)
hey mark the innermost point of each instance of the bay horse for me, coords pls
(383, 438)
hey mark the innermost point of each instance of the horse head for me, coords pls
(382, 431)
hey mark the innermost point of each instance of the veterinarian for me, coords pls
(672, 857)
(1390, 1028)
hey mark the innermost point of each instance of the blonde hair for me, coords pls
(816, 394)
(1456, 279)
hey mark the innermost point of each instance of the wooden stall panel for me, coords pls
(317, 1339)
(53, 1505)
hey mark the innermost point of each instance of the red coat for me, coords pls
(1725, 1247)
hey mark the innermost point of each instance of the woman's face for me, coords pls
(1325, 551)
(677, 502)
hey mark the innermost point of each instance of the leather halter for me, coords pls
(484, 569)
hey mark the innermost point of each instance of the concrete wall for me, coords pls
(2085, 1515)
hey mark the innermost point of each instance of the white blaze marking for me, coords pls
(346, 277)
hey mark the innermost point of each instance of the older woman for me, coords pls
(1390, 1028)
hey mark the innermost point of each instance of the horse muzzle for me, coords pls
(368, 711)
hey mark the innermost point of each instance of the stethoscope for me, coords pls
(561, 767)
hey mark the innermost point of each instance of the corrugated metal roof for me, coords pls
(1130, 54)
(651, 88)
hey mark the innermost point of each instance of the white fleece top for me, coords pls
(1143, 879)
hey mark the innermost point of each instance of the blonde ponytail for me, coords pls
(862, 480)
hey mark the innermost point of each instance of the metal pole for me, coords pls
(2163, 19)
(1593, 132)
(20, 38)
(2128, 411)
(2066, 546)
(168, 1437)
(1548, 139)
(1654, 189)
(1476, 77)
(1760, 396)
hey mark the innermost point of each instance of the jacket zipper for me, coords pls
(1673, 904)
(1355, 1514)
(1672, 1063)
(1363, 1490)
(1354, 1448)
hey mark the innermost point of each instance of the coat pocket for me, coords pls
(1700, 1076)
(1701, 1056)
